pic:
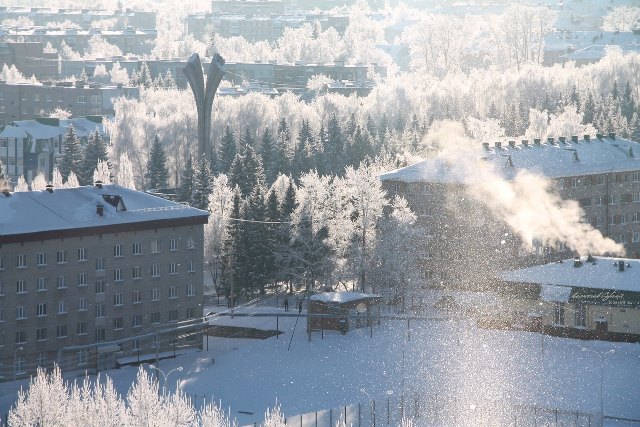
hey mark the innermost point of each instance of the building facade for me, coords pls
(92, 275)
(84, 18)
(31, 59)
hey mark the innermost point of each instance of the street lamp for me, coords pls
(15, 368)
(165, 376)
(601, 354)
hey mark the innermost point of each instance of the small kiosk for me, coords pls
(342, 311)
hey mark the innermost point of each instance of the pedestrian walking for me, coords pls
(286, 304)
(299, 306)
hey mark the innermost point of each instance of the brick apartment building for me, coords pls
(84, 18)
(467, 244)
(30, 58)
(92, 274)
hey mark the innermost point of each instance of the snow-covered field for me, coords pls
(431, 366)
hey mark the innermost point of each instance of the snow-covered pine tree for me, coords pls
(72, 181)
(228, 150)
(21, 185)
(334, 148)
(57, 180)
(268, 159)
(71, 153)
(124, 178)
(102, 173)
(4, 178)
(39, 183)
(202, 186)
(282, 162)
(258, 248)
(94, 152)
(157, 174)
(185, 190)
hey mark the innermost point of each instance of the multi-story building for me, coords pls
(30, 58)
(251, 7)
(467, 243)
(92, 274)
(129, 40)
(22, 101)
(84, 18)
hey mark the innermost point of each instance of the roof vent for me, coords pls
(98, 184)
(587, 137)
(612, 135)
(550, 140)
(485, 145)
(49, 188)
(512, 144)
(574, 138)
(536, 141)
(631, 152)
(620, 265)
(599, 136)
(576, 262)
(525, 142)
(563, 139)
(591, 259)
(100, 209)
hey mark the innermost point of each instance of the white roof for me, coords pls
(37, 130)
(586, 157)
(73, 208)
(13, 132)
(552, 293)
(341, 297)
(604, 274)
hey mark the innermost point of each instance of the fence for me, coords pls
(444, 411)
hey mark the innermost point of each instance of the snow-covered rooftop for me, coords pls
(603, 274)
(341, 297)
(75, 208)
(553, 160)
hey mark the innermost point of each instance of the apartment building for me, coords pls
(94, 274)
(30, 58)
(84, 18)
(467, 244)
(252, 7)
(22, 101)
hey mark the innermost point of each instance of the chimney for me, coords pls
(621, 265)
(498, 145)
(536, 141)
(591, 259)
(485, 145)
(612, 135)
(587, 137)
(576, 262)
(574, 138)
(550, 140)
(525, 142)
(98, 184)
(100, 209)
(512, 144)
(6, 192)
(599, 136)
(631, 152)
(49, 188)
(563, 139)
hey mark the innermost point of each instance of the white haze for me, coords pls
(528, 204)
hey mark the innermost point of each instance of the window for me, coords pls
(155, 270)
(600, 179)
(155, 318)
(100, 287)
(636, 176)
(636, 217)
(155, 294)
(635, 237)
(99, 264)
(21, 287)
(636, 197)
(62, 282)
(585, 203)
(41, 334)
(82, 254)
(173, 292)
(137, 249)
(21, 365)
(117, 323)
(21, 337)
(1, 262)
(558, 313)
(82, 99)
(190, 291)
(574, 182)
(82, 356)
(191, 268)
(191, 313)
(135, 345)
(61, 257)
(155, 246)
(600, 200)
(1, 289)
(21, 312)
(61, 331)
(41, 360)
(624, 219)
(81, 328)
(82, 304)
(190, 243)
(135, 297)
(22, 261)
(599, 221)
(62, 307)
(99, 310)
(612, 220)
(101, 334)
(42, 258)
(41, 284)
(173, 315)
(173, 268)
(41, 310)
(1, 320)
(82, 279)
(117, 299)
(117, 275)
(173, 245)
(117, 251)
(612, 200)
(136, 321)
(136, 272)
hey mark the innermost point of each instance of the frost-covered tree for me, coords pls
(157, 174)
(44, 403)
(124, 177)
(145, 402)
(102, 173)
(185, 190)
(71, 158)
(4, 177)
(202, 185)
(39, 183)
(119, 75)
(228, 151)
(95, 152)
(72, 181)
(274, 417)
(21, 185)
(220, 208)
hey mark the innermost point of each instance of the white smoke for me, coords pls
(528, 204)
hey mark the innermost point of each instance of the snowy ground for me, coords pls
(428, 367)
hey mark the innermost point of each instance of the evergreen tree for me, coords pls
(334, 150)
(4, 177)
(289, 204)
(305, 142)
(157, 173)
(202, 186)
(71, 154)
(235, 258)
(589, 108)
(144, 76)
(185, 191)
(258, 249)
(247, 171)
(227, 150)
(281, 149)
(268, 157)
(94, 152)
(350, 128)
(247, 138)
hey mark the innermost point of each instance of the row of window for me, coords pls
(609, 200)
(81, 254)
(135, 321)
(621, 219)
(598, 179)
